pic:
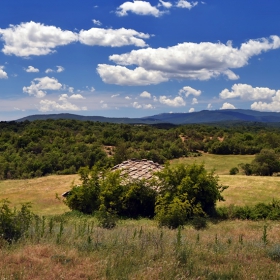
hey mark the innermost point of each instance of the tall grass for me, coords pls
(73, 247)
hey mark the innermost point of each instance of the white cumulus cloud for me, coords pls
(142, 8)
(120, 75)
(185, 4)
(194, 101)
(273, 106)
(112, 37)
(97, 22)
(50, 105)
(39, 86)
(178, 101)
(76, 96)
(3, 74)
(136, 105)
(189, 91)
(33, 38)
(248, 92)
(198, 61)
(145, 94)
(32, 69)
(227, 105)
(166, 5)
(191, 110)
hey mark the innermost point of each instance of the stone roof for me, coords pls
(137, 169)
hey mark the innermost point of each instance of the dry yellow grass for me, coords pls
(147, 252)
(249, 190)
(41, 192)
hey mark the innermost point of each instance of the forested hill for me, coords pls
(41, 147)
(204, 116)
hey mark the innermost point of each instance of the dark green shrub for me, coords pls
(199, 223)
(105, 218)
(14, 224)
(234, 171)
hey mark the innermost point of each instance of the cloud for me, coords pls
(39, 86)
(127, 98)
(247, 92)
(76, 96)
(33, 38)
(115, 95)
(189, 91)
(185, 4)
(145, 94)
(3, 74)
(148, 106)
(49, 70)
(32, 69)
(119, 75)
(227, 105)
(273, 106)
(142, 8)
(58, 70)
(191, 110)
(166, 5)
(112, 37)
(176, 102)
(195, 61)
(96, 22)
(65, 105)
(209, 106)
(194, 101)
(136, 105)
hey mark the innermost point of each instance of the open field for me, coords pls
(220, 163)
(41, 192)
(67, 246)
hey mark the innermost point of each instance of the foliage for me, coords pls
(14, 223)
(185, 192)
(265, 163)
(234, 171)
(42, 147)
(105, 218)
(109, 192)
(260, 211)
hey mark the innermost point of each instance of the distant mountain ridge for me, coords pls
(204, 116)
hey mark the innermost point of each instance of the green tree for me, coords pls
(266, 163)
(185, 192)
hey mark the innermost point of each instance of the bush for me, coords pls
(14, 224)
(106, 219)
(199, 223)
(234, 171)
(186, 192)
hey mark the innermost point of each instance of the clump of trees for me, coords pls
(184, 192)
(266, 163)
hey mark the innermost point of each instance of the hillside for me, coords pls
(205, 116)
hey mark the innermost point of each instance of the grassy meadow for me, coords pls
(71, 246)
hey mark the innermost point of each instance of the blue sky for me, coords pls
(138, 58)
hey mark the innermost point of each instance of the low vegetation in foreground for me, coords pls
(73, 246)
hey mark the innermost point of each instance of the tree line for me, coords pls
(42, 147)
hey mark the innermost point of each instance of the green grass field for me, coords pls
(220, 163)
